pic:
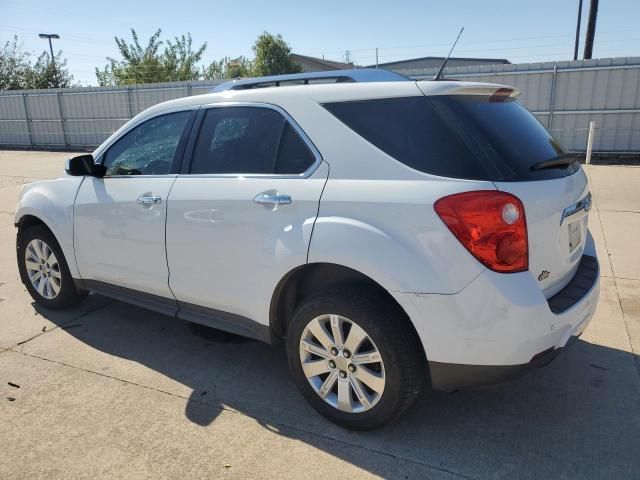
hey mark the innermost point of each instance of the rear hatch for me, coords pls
(476, 131)
(520, 157)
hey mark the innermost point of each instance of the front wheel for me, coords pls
(44, 270)
(354, 357)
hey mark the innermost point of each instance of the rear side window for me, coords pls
(459, 136)
(249, 140)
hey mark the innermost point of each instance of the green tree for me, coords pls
(45, 75)
(238, 68)
(181, 60)
(228, 68)
(138, 64)
(177, 62)
(273, 56)
(15, 64)
(214, 71)
(17, 72)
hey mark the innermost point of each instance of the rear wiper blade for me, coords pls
(558, 162)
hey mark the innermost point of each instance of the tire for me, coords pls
(61, 292)
(397, 378)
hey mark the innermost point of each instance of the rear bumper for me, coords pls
(452, 376)
(500, 326)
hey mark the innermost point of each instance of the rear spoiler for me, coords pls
(429, 87)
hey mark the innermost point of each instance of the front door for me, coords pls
(119, 220)
(241, 218)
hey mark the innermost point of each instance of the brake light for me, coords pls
(491, 225)
(500, 95)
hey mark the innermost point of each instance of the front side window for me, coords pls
(147, 149)
(249, 140)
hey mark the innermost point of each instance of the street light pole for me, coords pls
(49, 36)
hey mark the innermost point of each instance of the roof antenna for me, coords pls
(438, 75)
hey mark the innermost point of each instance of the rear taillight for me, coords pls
(491, 225)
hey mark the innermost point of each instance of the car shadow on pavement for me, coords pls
(579, 417)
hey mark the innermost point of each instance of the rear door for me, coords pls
(119, 220)
(241, 214)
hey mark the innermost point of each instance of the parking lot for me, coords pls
(111, 390)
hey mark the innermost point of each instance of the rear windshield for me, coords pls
(459, 136)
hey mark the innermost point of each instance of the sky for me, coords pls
(518, 30)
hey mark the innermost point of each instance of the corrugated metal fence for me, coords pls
(77, 118)
(564, 96)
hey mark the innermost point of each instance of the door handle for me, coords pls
(275, 200)
(149, 199)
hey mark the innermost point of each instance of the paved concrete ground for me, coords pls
(111, 390)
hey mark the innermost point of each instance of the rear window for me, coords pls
(458, 136)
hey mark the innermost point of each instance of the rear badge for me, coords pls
(543, 275)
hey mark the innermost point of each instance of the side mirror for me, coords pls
(84, 165)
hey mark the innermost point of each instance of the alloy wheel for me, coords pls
(43, 269)
(342, 363)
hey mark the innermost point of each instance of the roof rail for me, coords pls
(337, 76)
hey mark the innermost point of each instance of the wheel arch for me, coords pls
(306, 279)
(28, 220)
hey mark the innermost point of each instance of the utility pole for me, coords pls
(49, 36)
(591, 30)
(347, 56)
(575, 48)
(376, 57)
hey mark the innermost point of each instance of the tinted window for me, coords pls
(293, 155)
(149, 148)
(507, 139)
(464, 136)
(248, 140)
(238, 140)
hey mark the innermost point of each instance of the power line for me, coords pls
(498, 51)
(493, 48)
(471, 41)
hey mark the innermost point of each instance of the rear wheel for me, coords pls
(44, 270)
(354, 357)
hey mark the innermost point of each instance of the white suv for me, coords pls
(392, 232)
